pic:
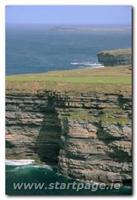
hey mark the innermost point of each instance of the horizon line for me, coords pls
(66, 24)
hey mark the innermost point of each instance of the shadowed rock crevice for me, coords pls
(48, 140)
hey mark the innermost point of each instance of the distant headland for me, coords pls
(115, 57)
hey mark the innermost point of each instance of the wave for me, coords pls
(48, 167)
(27, 164)
(88, 64)
(74, 63)
(21, 162)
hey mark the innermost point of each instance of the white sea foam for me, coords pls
(97, 66)
(49, 167)
(74, 63)
(24, 163)
(88, 64)
(19, 162)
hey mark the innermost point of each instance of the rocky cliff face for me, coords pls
(88, 135)
(115, 57)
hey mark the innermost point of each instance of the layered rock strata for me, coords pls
(115, 57)
(88, 135)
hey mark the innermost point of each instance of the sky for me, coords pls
(97, 15)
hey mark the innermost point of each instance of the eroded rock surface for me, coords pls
(115, 57)
(88, 136)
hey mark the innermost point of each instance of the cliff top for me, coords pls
(101, 80)
(117, 52)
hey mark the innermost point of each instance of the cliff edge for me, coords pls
(79, 120)
(115, 57)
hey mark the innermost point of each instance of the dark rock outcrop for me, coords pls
(115, 57)
(88, 136)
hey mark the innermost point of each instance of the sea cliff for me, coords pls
(115, 57)
(87, 136)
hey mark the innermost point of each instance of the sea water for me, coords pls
(42, 48)
(30, 173)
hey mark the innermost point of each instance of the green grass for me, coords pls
(94, 79)
(98, 80)
(80, 114)
(110, 116)
(117, 52)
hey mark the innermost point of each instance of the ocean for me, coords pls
(42, 48)
(29, 175)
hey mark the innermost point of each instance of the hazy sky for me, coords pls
(69, 14)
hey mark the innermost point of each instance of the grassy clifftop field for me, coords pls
(100, 80)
